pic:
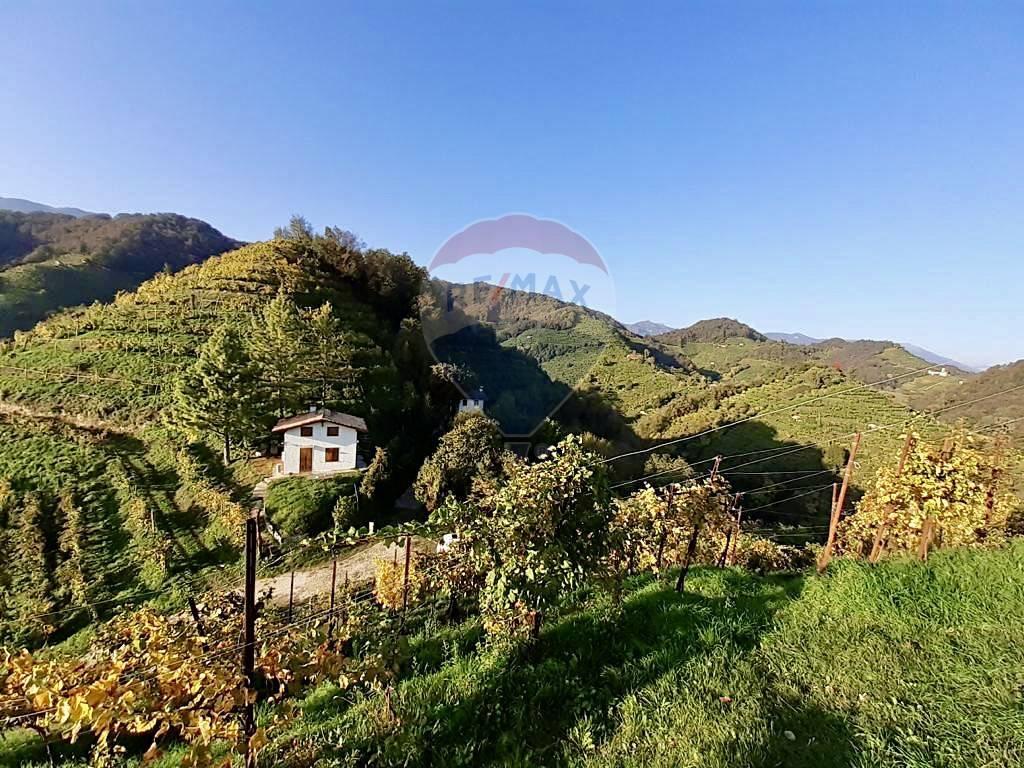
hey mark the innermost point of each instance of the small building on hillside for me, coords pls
(473, 402)
(320, 442)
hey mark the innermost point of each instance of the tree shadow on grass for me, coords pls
(520, 706)
(804, 737)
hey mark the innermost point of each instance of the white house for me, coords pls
(473, 401)
(941, 372)
(320, 442)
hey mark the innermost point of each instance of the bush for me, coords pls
(389, 581)
(764, 556)
(304, 505)
(345, 514)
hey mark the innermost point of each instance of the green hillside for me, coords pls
(717, 329)
(87, 405)
(636, 392)
(895, 665)
(989, 399)
(49, 261)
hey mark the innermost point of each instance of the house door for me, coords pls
(305, 459)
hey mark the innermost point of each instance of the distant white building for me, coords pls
(941, 372)
(320, 442)
(473, 402)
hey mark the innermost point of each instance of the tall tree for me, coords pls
(276, 349)
(471, 449)
(219, 393)
(328, 357)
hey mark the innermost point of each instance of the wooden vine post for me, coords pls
(291, 594)
(664, 534)
(737, 531)
(197, 619)
(881, 536)
(249, 645)
(826, 554)
(927, 532)
(334, 584)
(691, 547)
(405, 578)
(733, 531)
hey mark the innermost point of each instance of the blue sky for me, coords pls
(835, 168)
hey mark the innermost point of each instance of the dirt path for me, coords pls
(8, 408)
(360, 566)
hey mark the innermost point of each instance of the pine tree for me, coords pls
(220, 392)
(328, 357)
(276, 349)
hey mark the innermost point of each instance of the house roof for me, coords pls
(476, 394)
(314, 417)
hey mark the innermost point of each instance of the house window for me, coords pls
(306, 431)
(331, 455)
(332, 431)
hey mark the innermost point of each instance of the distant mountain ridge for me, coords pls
(20, 205)
(649, 328)
(928, 356)
(800, 339)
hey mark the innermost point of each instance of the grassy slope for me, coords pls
(127, 353)
(901, 665)
(989, 411)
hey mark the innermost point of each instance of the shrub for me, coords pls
(345, 515)
(764, 556)
(303, 505)
(389, 581)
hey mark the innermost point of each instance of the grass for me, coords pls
(900, 665)
(903, 664)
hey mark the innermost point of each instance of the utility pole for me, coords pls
(249, 646)
(826, 554)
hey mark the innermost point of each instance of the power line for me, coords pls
(762, 414)
(791, 498)
(785, 451)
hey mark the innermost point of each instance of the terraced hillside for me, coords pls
(637, 392)
(87, 406)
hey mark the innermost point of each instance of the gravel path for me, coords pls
(360, 566)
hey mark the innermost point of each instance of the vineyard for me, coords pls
(638, 591)
(550, 570)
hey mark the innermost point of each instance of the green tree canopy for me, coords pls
(220, 392)
(472, 448)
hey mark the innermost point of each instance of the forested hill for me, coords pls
(49, 261)
(717, 329)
